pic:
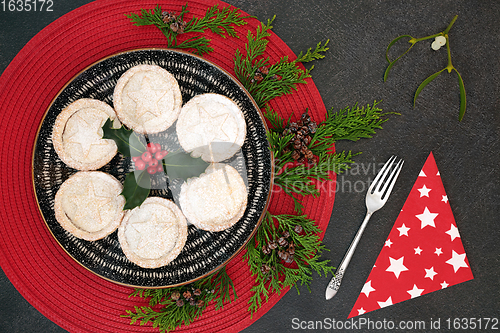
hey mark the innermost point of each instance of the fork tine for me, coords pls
(392, 180)
(379, 179)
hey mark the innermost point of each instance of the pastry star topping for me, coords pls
(86, 133)
(88, 204)
(427, 218)
(210, 127)
(147, 98)
(396, 266)
(151, 231)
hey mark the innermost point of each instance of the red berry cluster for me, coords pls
(150, 159)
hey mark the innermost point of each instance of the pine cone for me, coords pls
(302, 130)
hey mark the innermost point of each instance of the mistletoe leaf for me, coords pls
(463, 100)
(179, 164)
(126, 140)
(424, 83)
(136, 189)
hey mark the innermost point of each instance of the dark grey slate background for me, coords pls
(467, 153)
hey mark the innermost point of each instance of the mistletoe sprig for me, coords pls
(285, 251)
(219, 21)
(441, 38)
(184, 304)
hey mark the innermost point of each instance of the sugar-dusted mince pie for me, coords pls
(215, 200)
(89, 205)
(211, 126)
(147, 98)
(153, 234)
(77, 134)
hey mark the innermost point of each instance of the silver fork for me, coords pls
(376, 197)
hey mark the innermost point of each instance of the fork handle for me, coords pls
(334, 284)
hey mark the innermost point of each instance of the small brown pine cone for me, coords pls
(264, 70)
(282, 241)
(272, 245)
(187, 294)
(192, 302)
(175, 295)
(197, 292)
(295, 155)
(179, 303)
(282, 254)
(298, 228)
(286, 234)
(266, 250)
(200, 303)
(289, 258)
(258, 77)
(312, 127)
(174, 27)
(306, 119)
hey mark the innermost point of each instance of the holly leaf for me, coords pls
(136, 189)
(126, 140)
(179, 164)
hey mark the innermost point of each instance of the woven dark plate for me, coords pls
(204, 251)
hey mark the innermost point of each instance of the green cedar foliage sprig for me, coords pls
(280, 78)
(171, 314)
(299, 180)
(280, 234)
(219, 21)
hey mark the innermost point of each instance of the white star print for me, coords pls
(396, 266)
(438, 174)
(429, 273)
(427, 218)
(147, 98)
(453, 232)
(424, 191)
(457, 260)
(361, 311)
(403, 230)
(388, 243)
(422, 174)
(415, 292)
(445, 199)
(444, 285)
(438, 251)
(386, 303)
(367, 288)
(418, 250)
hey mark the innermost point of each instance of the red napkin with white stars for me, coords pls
(423, 252)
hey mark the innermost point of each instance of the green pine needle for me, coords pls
(219, 21)
(216, 288)
(307, 257)
(282, 77)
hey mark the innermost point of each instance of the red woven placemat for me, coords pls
(56, 285)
